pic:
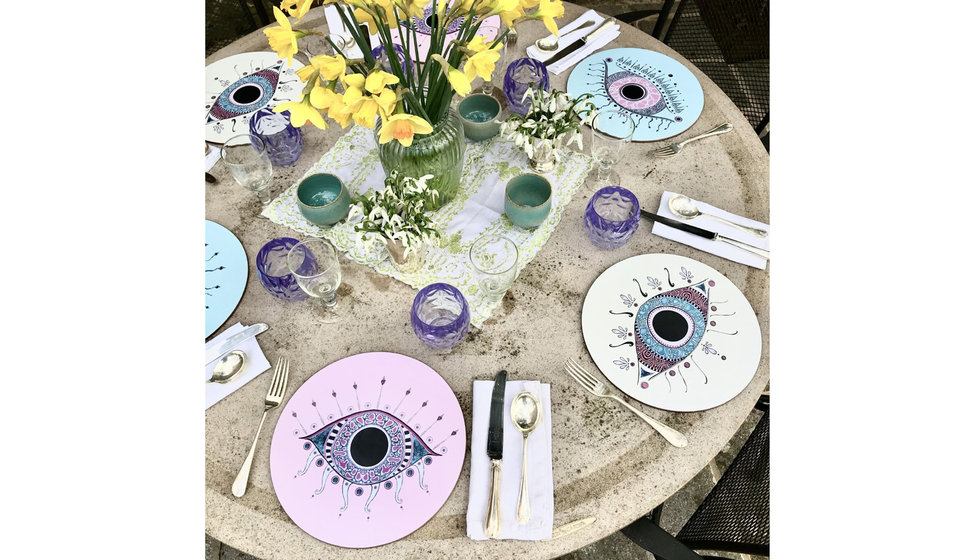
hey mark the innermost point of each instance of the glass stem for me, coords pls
(329, 301)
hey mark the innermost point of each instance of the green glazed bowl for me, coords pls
(323, 199)
(528, 200)
(480, 114)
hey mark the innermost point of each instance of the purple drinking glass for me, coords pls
(440, 316)
(522, 74)
(283, 141)
(611, 217)
(274, 272)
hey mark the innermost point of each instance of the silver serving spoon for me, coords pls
(683, 207)
(229, 367)
(525, 411)
(550, 43)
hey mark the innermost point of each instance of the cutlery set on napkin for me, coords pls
(235, 337)
(713, 230)
(576, 43)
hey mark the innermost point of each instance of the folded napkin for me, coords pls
(571, 60)
(257, 363)
(540, 482)
(715, 247)
(211, 158)
(335, 26)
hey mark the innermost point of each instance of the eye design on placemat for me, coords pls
(423, 24)
(668, 328)
(651, 101)
(371, 448)
(247, 95)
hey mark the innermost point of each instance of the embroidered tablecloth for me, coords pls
(477, 209)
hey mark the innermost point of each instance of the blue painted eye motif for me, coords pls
(367, 448)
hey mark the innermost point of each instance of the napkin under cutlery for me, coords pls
(602, 40)
(715, 247)
(540, 482)
(257, 363)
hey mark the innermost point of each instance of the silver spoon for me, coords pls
(229, 367)
(550, 43)
(525, 411)
(683, 207)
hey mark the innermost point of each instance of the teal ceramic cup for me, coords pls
(480, 114)
(528, 200)
(323, 199)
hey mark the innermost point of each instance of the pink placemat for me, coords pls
(368, 449)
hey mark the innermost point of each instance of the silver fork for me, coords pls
(674, 149)
(273, 399)
(599, 389)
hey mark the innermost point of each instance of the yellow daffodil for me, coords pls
(478, 44)
(415, 8)
(403, 127)
(507, 17)
(481, 64)
(547, 11)
(325, 98)
(302, 112)
(355, 88)
(501, 6)
(377, 80)
(282, 39)
(457, 79)
(367, 107)
(296, 8)
(329, 67)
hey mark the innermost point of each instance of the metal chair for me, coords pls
(734, 517)
(726, 39)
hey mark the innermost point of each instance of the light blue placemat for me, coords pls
(661, 95)
(225, 272)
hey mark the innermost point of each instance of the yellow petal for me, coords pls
(459, 81)
(377, 80)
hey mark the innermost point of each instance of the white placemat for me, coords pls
(478, 209)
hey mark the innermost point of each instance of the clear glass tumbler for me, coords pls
(494, 259)
(247, 158)
(315, 265)
(611, 132)
(440, 316)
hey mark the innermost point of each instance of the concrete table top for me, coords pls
(607, 462)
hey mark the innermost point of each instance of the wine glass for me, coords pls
(498, 69)
(612, 130)
(315, 265)
(247, 157)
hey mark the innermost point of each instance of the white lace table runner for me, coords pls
(478, 209)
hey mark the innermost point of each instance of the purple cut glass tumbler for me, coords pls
(611, 217)
(521, 75)
(440, 316)
(283, 141)
(274, 272)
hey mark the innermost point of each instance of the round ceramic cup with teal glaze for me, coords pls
(480, 114)
(323, 199)
(528, 200)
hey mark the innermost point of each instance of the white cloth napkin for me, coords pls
(540, 481)
(257, 363)
(715, 247)
(211, 158)
(571, 60)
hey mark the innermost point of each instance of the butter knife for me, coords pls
(569, 528)
(701, 232)
(577, 44)
(215, 352)
(495, 450)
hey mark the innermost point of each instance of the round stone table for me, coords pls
(607, 462)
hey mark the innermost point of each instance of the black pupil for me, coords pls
(430, 21)
(632, 91)
(247, 94)
(670, 325)
(369, 447)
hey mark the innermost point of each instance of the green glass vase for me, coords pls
(439, 153)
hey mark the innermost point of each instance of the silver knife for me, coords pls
(701, 232)
(495, 450)
(576, 45)
(215, 352)
(569, 528)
